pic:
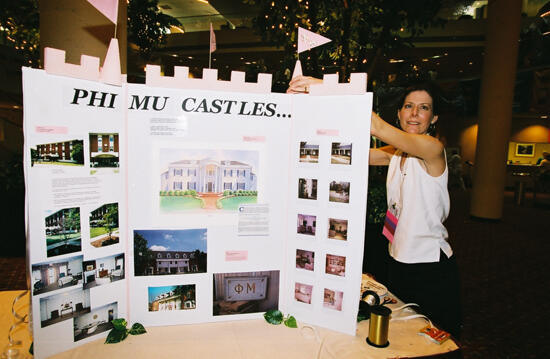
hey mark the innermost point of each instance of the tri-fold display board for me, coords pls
(167, 205)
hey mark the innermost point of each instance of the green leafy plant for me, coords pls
(276, 317)
(376, 203)
(120, 332)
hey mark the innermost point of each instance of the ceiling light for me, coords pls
(176, 30)
(203, 1)
(545, 14)
(393, 61)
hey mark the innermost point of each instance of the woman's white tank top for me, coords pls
(422, 205)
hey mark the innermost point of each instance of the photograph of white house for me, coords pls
(170, 252)
(309, 152)
(95, 322)
(173, 297)
(103, 270)
(59, 307)
(207, 179)
(62, 273)
(340, 153)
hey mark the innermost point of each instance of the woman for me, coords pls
(422, 268)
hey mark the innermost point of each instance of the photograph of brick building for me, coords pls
(59, 153)
(104, 225)
(63, 232)
(104, 150)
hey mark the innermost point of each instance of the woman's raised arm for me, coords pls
(423, 146)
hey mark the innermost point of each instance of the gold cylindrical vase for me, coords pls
(379, 323)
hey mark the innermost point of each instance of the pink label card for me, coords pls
(327, 132)
(51, 129)
(253, 138)
(232, 256)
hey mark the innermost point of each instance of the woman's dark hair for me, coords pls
(430, 88)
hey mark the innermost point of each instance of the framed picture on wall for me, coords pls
(525, 149)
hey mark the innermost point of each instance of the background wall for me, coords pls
(539, 148)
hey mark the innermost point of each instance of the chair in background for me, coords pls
(541, 185)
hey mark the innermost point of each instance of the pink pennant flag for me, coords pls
(308, 40)
(212, 39)
(110, 72)
(109, 8)
(297, 69)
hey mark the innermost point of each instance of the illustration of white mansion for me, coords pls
(208, 175)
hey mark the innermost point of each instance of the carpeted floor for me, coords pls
(12, 273)
(504, 269)
(504, 280)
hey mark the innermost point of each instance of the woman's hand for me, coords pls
(375, 124)
(301, 84)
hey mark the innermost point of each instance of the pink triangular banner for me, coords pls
(109, 8)
(308, 40)
(297, 69)
(212, 39)
(110, 72)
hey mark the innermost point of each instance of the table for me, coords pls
(240, 339)
(522, 175)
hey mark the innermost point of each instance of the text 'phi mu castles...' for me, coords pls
(92, 98)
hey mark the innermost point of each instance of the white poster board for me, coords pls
(75, 173)
(228, 204)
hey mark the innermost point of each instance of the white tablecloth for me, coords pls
(245, 339)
